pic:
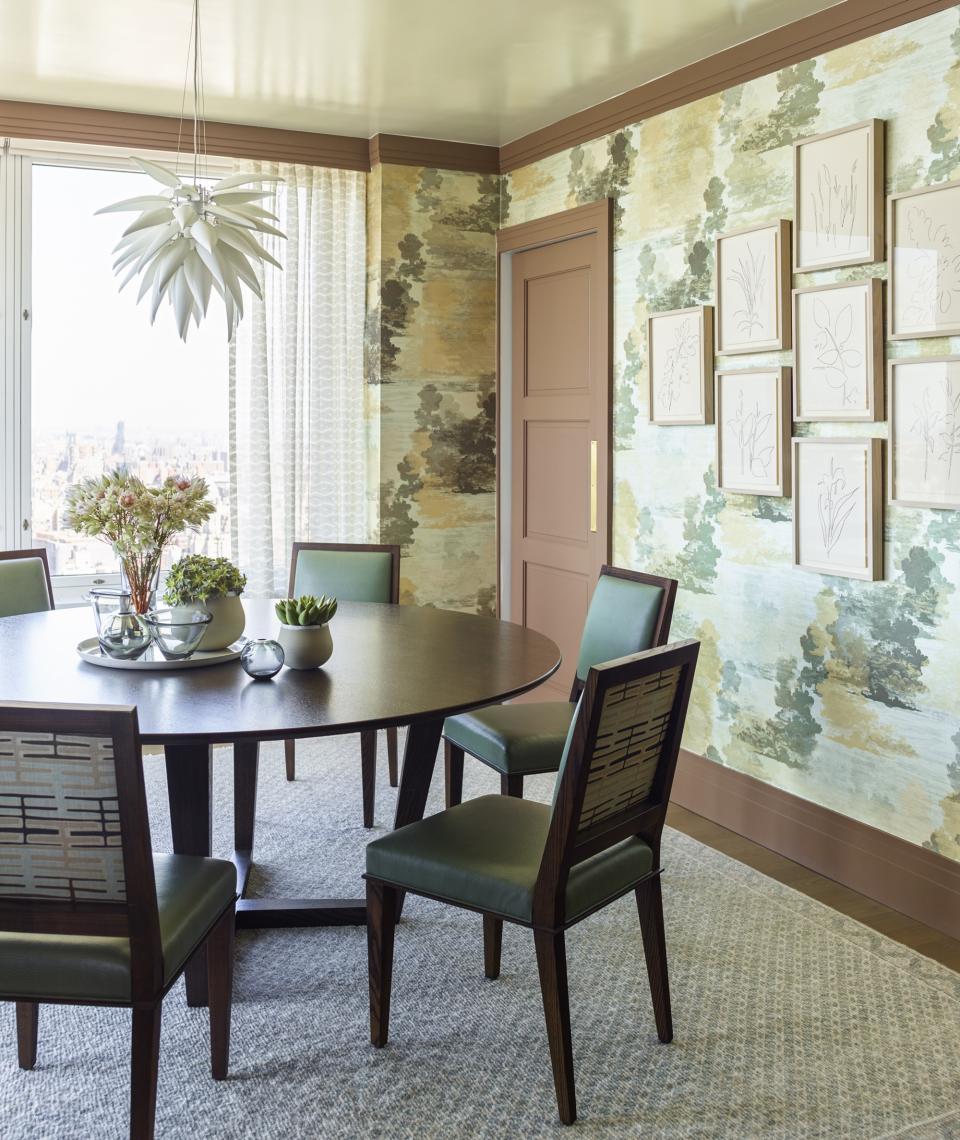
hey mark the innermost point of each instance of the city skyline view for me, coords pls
(109, 389)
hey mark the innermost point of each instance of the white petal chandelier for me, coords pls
(192, 239)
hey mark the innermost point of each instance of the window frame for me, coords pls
(17, 159)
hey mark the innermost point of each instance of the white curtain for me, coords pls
(296, 458)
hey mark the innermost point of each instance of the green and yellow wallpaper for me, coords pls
(430, 347)
(843, 692)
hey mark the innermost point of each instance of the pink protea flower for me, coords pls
(127, 500)
(183, 484)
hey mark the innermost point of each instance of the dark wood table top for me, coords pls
(391, 665)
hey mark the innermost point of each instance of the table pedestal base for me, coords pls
(188, 788)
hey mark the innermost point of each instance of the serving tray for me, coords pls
(90, 651)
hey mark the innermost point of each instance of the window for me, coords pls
(95, 385)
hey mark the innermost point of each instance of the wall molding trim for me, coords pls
(803, 39)
(917, 882)
(160, 132)
(403, 150)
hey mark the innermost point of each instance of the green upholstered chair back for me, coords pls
(24, 582)
(618, 763)
(629, 612)
(350, 572)
(75, 854)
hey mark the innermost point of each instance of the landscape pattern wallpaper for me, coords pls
(843, 692)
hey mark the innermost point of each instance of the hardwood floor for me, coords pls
(899, 927)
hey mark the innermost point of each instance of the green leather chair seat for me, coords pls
(486, 854)
(23, 587)
(351, 575)
(191, 893)
(514, 739)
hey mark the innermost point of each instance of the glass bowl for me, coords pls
(262, 658)
(106, 603)
(178, 632)
(123, 636)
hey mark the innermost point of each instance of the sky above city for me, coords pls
(96, 359)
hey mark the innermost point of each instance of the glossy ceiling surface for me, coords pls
(484, 72)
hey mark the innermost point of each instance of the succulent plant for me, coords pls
(306, 610)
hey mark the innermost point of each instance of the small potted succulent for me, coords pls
(216, 584)
(304, 633)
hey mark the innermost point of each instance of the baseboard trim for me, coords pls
(917, 882)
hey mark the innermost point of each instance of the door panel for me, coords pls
(558, 333)
(557, 485)
(560, 416)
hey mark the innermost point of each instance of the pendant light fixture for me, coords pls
(191, 239)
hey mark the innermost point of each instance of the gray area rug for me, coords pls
(791, 1021)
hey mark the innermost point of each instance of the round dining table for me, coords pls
(391, 666)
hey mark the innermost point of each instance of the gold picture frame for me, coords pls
(838, 332)
(752, 408)
(684, 361)
(838, 506)
(753, 289)
(838, 197)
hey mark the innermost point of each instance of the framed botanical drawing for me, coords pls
(753, 289)
(679, 361)
(753, 431)
(837, 506)
(838, 197)
(838, 346)
(924, 262)
(924, 451)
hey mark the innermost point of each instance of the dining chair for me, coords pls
(24, 582)
(88, 914)
(550, 866)
(629, 611)
(352, 572)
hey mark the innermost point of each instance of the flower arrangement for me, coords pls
(306, 610)
(138, 521)
(197, 578)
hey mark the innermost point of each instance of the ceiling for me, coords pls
(479, 71)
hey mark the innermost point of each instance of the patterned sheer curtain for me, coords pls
(296, 450)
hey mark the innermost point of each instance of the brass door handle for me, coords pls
(593, 485)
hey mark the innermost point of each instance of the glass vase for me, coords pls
(140, 578)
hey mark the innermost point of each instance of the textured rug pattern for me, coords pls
(791, 1021)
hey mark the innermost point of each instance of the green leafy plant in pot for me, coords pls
(304, 630)
(216, 584)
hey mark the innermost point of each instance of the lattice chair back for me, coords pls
(620, 759)
(75, 853)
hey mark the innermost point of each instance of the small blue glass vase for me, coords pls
(262, 658)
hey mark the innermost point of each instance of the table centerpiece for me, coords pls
(138, 521)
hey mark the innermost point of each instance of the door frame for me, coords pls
(592, 218)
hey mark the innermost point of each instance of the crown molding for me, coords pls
(831, 28)
(160, 132)
(404, 150)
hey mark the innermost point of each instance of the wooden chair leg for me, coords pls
(392, 765)
(220, 986)
(27, 1014)
(650, 910)
(368, 773)
(511, 786)
(144, 1063)
(552, 964)
(381, 923)
(492, 942)
(290, 757)
(452, 774)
